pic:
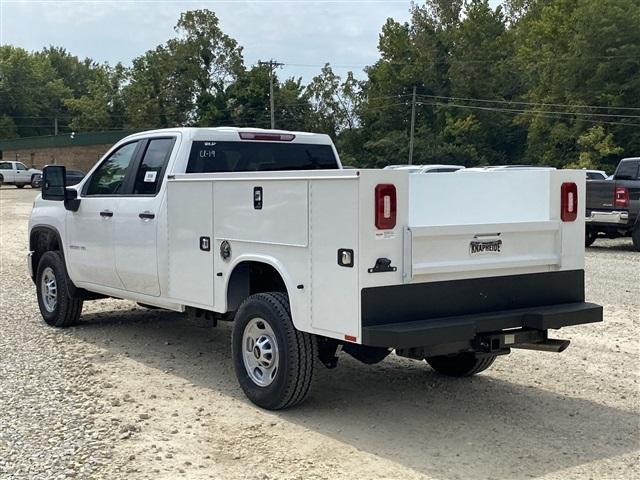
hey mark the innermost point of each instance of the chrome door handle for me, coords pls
(147, 215)
(106, 213)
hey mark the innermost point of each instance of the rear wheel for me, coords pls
(590, 236)
(57, 306)
(273, 361)
(1, 180)
(635, 236)
(462, 364)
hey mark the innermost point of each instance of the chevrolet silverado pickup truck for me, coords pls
(17, 173)
(613, 205)
(309, 260)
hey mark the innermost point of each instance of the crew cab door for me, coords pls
(137, 217)
(6, 170)
(90, 230)
(22, 174)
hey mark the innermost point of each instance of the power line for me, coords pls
(542, 104)
(542, 113)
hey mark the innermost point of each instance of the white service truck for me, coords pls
(264, 228)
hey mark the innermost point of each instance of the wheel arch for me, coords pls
(44, 238)
(255, 274)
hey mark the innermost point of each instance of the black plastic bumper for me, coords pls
(465, 328)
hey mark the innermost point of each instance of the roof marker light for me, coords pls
(269, 137)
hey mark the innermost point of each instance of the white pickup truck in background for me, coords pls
(16, 173)
(264, 228)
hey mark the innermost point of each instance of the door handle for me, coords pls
(147, 215)
(106, 213)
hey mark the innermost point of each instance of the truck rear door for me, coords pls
(471, 224)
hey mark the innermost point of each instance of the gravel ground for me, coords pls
(134, 393)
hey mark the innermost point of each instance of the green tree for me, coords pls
(102, 108)
(594, 146)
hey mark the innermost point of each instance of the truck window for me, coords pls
(628, 169)
(20, 166)
(5, 166)
(151, 170)
(211, 157)
(108, 179)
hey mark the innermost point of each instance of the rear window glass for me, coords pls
(628, 169)
(212, 157)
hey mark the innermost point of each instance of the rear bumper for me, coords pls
(465, 328)
(608, 218)
(455, 312)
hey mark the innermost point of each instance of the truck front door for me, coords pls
(90, 230)
(22, 174)
(138, 218)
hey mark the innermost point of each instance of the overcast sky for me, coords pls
(296, 32)
(344, 33)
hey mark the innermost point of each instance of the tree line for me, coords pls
(550, 82)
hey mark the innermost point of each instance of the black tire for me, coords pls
(20, 185)
(33, 181)
(590, 236)
(296, 352)
(462, 364)
(1, 180)
(66, 310)
(635, 236)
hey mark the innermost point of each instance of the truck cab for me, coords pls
(265, 228)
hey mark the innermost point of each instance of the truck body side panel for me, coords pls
(280, 216)
(333, 224)
(190, 217)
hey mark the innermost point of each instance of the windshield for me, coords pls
(211, 157)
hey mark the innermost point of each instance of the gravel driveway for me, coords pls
(134, 393)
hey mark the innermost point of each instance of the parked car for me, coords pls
(613, 205)
(17, 173)
(494, 168)
(435, 168)
(73, 177)
(596, 174)
(265, 228)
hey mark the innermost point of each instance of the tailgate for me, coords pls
(600, 194)
(487, 223)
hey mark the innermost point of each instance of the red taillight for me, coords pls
(386, 206)
(270, 137)
(568, 202)
(621, 199)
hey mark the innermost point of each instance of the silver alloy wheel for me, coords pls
(49, 289)
(260, 352)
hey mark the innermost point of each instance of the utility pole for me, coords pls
(413, 124)
(272, 66)
(55, 126)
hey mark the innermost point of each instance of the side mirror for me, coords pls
(54, 187)
(54, 182)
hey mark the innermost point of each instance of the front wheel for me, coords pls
(273, 361)
(57, 306)
(462, 364)
(590, 236)
(20, 185)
